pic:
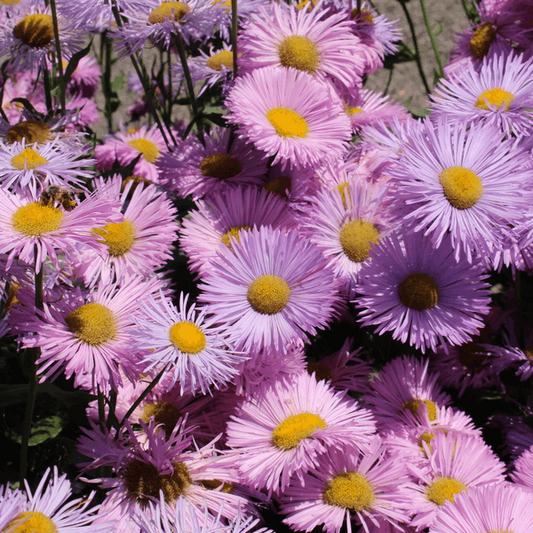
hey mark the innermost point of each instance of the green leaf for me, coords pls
(74, 61)
(118, 83)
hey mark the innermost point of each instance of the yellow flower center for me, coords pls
(306, 4)
(279, 186)
(188, 337)
(356, 238)
(162, 413)
(350, 490)
(147, 148)
(35, 219)
(495, 96)
(427, 438)
(32, 131)
(461, 186)
(221, 165)
(119, 237)
(415, 404)
(287, 122)
(444, 488)
(213, 484)
(220, 59)
(418, 291)
(321, 371)
(289, 433)
(363, 15)
(173, 11)
(35, 30)
(482, 39)
(28, 159)
(31, 522)
(300, 53)
(354, 110)
(10, 2)
(268, 294)
(92, 323)
(234, 234)
(143, 481)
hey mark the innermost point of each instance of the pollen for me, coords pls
(161, 413)
(173, 11)
(289, 433)
(356, 238)
(287, 122)
(419, 291)
(496, 96)
(354, 110)
(118, 237)
(268, 294)
(350, 490)
(32, 131)
(36, 31)
(221, 165)
(143, 481)
(147, 148)
(279, 186)
(28, 159)
(482, 39)
(220, 59)
(29, 522)
(344, 191)
(461, 186)
(321, 371)
(92, 323)
(300, 53)
(188, 337)
(233, 233)
(415, 404)
(35, 219)
(427, 438)
(443, 489)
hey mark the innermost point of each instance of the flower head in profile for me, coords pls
(285, 428)
(195, 350)
(271, 288)
(422, 294)
(289, 115)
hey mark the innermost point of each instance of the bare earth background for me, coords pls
(405, 86)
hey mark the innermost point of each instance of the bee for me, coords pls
(55, 194)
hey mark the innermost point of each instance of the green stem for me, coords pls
(359, 2)
(415, 45)
(106, 58)
(190, 87)
(432, 37)
(170, 96)
(47, 89)
(32, 388)
(234, 27)
(59, 58)
(101, 409)
(144, 394)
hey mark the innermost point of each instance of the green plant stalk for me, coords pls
(101, 409)
(170, 97)
(32, 390)
(359, 2)
(234, 27)
(415, 45)
(148, 89)
(190, 87)
(62, 87)
(432, 37)
(106, 59)
(47, 89)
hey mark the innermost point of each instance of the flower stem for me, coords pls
(59, 58)
(432, 38)
(234, 25)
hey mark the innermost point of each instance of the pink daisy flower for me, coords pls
(90, 337)
(271, 288)
(345, 486)
(523, 470)
(221, 164)
(517, 435)
(48, 509)
(123, 148)
(194, 350)
(138, 244)
(455, 464)
(86, 78)
(220, 218)
(286, 427)
(289, 115)
(498, 507)
(317, 42)
(422, 294)
(401, 389)
(11, 502)
(498, 92)
(32, 231)
(463, 180)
